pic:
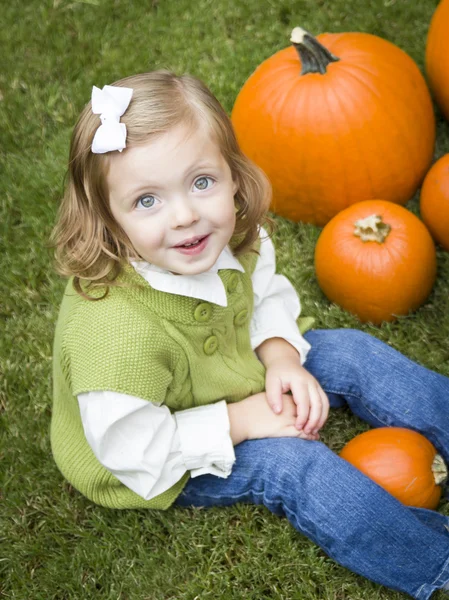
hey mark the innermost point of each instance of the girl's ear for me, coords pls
(235, 187)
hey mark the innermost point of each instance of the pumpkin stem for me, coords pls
(372, 229)
(314, 56)
(439, 470)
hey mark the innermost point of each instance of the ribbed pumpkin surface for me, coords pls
(364, 129)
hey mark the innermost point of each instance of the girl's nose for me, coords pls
(184, 213)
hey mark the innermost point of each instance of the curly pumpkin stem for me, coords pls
(439, 470)
(372, 229)
(314, 56)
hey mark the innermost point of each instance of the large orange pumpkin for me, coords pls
(335, 120)
(434, 201)
(377, 260)
(401, 461)
(437, 56)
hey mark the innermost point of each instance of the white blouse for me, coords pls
(148, 448)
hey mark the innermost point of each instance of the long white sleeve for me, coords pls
(276, 303)
(147, 448)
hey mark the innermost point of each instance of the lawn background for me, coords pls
(54, 544)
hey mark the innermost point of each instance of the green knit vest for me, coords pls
(179, 351)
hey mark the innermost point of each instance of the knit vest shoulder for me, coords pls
(164, 348)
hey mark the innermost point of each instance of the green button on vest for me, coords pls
(202, 312)
(233, 283)
(241, 317)
(210, 345)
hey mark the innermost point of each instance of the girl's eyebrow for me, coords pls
(198, 166)
(158, 186)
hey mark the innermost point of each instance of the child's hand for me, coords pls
(252, 418)
(286, 374)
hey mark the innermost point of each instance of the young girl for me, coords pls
(180, 374)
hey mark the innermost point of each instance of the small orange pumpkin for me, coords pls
(401, 461)
(434, 201)
(377, 260)
(437, 56)
(334, 120)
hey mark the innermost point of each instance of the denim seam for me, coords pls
(304, 530)
(438, 581)
(293, 517)
(340, 393)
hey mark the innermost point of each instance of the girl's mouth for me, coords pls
(193, 248)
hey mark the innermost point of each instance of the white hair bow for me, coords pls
(110, 103)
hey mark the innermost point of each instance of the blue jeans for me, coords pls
(355, 521)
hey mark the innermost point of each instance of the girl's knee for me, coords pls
(311, 467)
(302, 469)
(275, 452)
(292, 457)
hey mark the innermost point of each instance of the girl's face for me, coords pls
(174, 198)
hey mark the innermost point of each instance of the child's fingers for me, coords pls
(308, 436)
(301, 398)
(273, 390)
(325, 410)
(316, 408)
(320, 407)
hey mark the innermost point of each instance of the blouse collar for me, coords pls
(205, 286)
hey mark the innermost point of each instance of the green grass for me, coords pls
(54, 543)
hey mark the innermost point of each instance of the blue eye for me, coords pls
(147, 201)
(202, 183)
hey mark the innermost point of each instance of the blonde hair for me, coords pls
(89, 244)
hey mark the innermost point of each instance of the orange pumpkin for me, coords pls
(377, 260)
(434, 201)
(401, 461)
(437, 56)
(335, 120)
